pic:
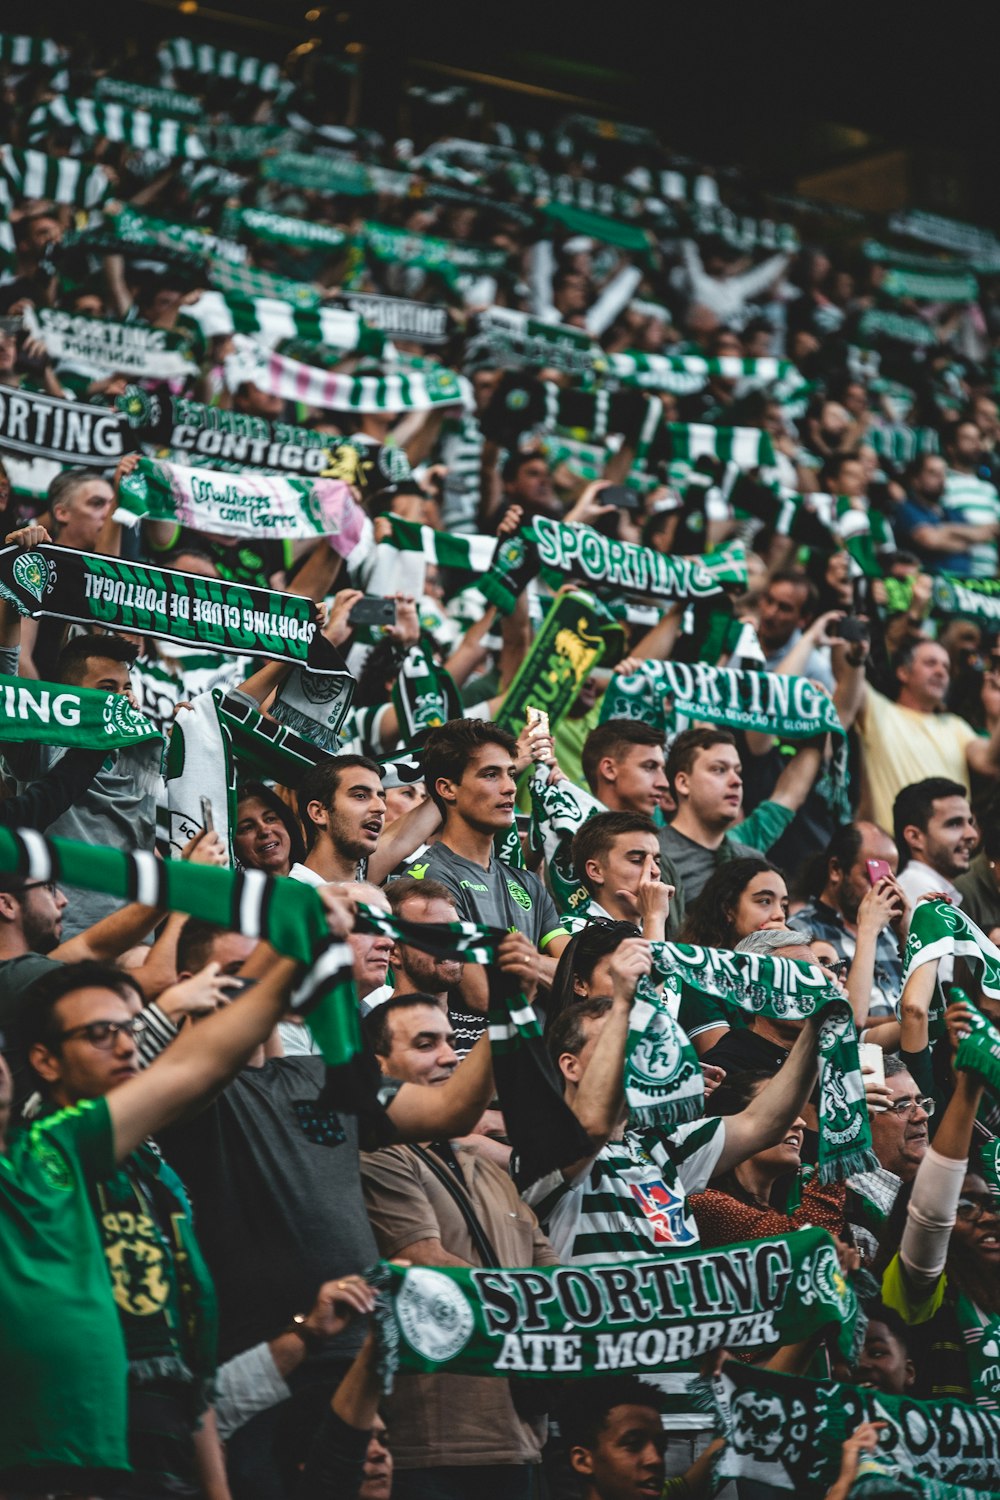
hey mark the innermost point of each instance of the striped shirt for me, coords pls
(972, 501)
(632, 1201)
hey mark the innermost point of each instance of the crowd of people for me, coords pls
(500, 762)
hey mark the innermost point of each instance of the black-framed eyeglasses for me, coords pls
(103, 1034)
(37, 885)
(910, 1106)
(838, 967)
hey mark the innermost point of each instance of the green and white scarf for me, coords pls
(783, 989)
(558, 810)
(399, 318)
(787, 1433)
(256, 505)
(877, 324)
(335, 172)
(295, 381)
(270, 321)
(631, 237)
(59, 179)
(683, 374)
(664, 1084)
(263, 746)
(446, 257)
(564, 1321)
(216, 437)
(423, 695)
(125, 348)
(185, 56)
(574, 636)
(747, 447)
(975, 598)
(164, 134)
(939, 930)
(145, 96)
(29, 51)
(581, 552)
(40, 426)
(97, 591)
(875, 1477)
(502, 338)
(742, 230)
(246, 281)
(791, 707)
(315, 706)
(929, 286)
(279, 229)
(410, 541)
(79, 718)
(143, 232)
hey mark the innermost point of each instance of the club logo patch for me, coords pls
(434, 1316)
(34, 573)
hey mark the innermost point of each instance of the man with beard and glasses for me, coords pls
(899, 1140)
(342, 808)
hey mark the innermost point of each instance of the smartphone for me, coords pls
(870, 1055)
(619, 495)
(852, 629)
(373, 610)
(878, 869)
(537, 718)
(207, 821)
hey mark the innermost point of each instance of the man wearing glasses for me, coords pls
(900, 1140)
(104, 1291)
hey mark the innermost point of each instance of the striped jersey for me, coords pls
(632, 1201)
(972, 502)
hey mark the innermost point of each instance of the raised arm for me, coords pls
(201, 1060)
(767, 1117)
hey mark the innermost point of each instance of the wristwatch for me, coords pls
(313, 1341)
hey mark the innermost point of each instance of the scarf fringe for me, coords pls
(846, 1164)
(386, 1327)
(667, 1113)
(161, 1367)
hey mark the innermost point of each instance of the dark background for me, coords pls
(786, 91)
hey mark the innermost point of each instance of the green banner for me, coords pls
(639, 1317)
(80, 718)
(575, 634)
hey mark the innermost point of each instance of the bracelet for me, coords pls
(313, 1341)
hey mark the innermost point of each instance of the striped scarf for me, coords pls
(145, 96)
(184, 56)
(295, 381)
(29, 51)
(270, 321)
(247, 282)
(684, 374)
(58, 179)
(116, 122)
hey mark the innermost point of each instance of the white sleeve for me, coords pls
(245, 1385)
(930, 1217)
(616, 295)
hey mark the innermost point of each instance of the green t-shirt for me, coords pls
(61, 1345)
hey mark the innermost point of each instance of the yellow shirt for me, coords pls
(902, 746)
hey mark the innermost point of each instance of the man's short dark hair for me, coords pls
(687, 744)
(71, 664)
(615, 737)
(595, 838)
(801, 581)
(914, 808)
(836, 461)
(449, 748)
(407, 888)
(320, 784)
(516, 462)
(584, 1409)
(376, 1025)
(195, 944)
(568, 1034)
(844, 847)
(38, 1024)
(911, 644)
